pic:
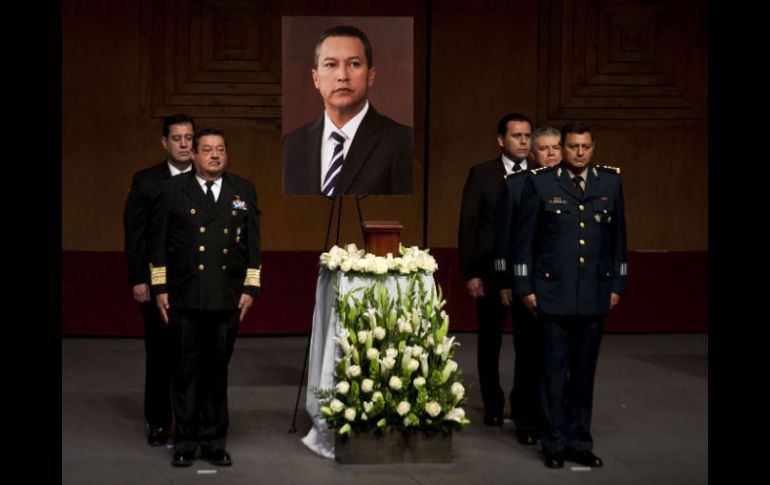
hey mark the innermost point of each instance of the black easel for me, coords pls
(334, 199)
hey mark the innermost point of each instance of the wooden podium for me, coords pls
(382, 237)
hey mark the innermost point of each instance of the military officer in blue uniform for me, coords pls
(205, 273)
(570, 267)
(525, 402)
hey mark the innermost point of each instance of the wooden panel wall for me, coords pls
(635, 71)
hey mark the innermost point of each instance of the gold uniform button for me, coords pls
(548, 275)
(201, 248)
(582, 260)
(225, 251)
(235, 213)
(201, 267)
(582, 225)
(227, 231)
(203, 229)
(605, 211)
(558, 211)
(606, 274)
(224, 266)
(582, 242)
(192, 211)
(581, 207)
(237, 238)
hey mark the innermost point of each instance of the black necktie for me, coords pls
(210, 193)
(335, 167)
(577, 181)
(516, 167)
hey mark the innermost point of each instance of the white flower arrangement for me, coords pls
(390, 376)
(351, 260)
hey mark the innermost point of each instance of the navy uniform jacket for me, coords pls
(206, 258)
(137, 218)
(571, 251)
(476, 238)
(378, 162)
(505, 216)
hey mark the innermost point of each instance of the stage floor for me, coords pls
(649, 423)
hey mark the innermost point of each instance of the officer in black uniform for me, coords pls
(177, 140)
(476, 244)
(525, 395)
(570, 268)
(205, 274)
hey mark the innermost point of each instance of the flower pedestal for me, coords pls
(393, 447)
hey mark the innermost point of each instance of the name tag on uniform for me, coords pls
(239, 204)
(557, 200)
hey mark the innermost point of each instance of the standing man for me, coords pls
(205, 275)
(177, 140)
(351, 149)
(570, 268)
(476, 243)
(525, 396)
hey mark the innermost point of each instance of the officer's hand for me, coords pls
(244, 305)
(530, 303)
(162, 301)
(506, 297)
(475, 287)
(141, 292)
(614, 299)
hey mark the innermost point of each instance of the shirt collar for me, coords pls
(349, 129)
(175, 171)
(509, 163)
(217, 183)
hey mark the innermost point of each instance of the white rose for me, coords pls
(455, 414)
(395, 383)
(392, 262)
(417, 351)
(351, 248)
(372, 353)
(354, 371)
(429, 340)
(367, 385)
(433, 408)
(388, 362)
(404, 326)
(380, 265)
(418, 382)
(346, 265)
(372, 314)
(364, 417)
(403, 408)
(362, 336)
(377, 396)
(350, 414)
(457, 390)
(368, 405)
(336, 405)
(333, 263)
(343, 387)
(358, 265)
(379, 333)
(391, 352)
(413, 365)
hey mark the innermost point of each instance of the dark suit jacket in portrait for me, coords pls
(205, 257)
(137, 218)
(378, 162)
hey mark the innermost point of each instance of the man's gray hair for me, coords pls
(544, 131)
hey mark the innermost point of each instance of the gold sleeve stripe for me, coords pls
(252, 277)
(158, 275)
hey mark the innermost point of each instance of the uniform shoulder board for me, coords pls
(513, 174)
(538, 171)
(608, 168)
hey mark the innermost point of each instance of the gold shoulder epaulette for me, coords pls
(538, 171)
(608, 168)
(513, 174)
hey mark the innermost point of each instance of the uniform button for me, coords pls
(581, 207)
(192, 211)
(201, 248)
(582, 260)
(203, 229)
(582, 242)
(201, 267)
(582, 225)
(606, 274)
(558, 211)
(548, 275)
(224, 266)
(605, 211)
(226, 231)
(225, 251)
(235, 213)
(237, 238)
